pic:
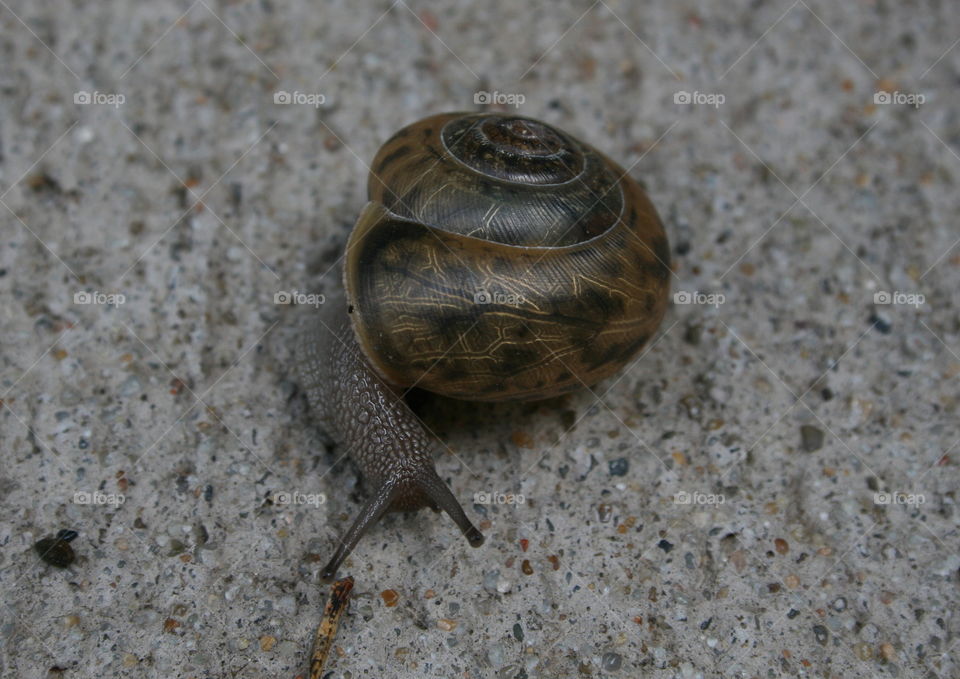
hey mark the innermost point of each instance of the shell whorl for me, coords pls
(514, 149)
(506, 179)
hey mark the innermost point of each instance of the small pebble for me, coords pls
(446, 624)
(495, 655)
(811, 438)
(611, 661)
(665, 546)
(882, 325)
(517, 632)
(604, 512)
(821, 634)
(130, 386)
(56, 551)
(619, 467)
(267, 643)
(390, 597)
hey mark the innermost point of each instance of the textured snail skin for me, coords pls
(498, 259)
(360, 411)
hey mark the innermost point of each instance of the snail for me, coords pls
(498, 258)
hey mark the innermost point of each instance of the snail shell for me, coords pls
(499, 258)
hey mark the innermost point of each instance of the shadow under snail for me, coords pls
(499, 258)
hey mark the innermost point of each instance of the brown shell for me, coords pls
(500, 258)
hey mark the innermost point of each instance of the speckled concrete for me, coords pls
(717, 510)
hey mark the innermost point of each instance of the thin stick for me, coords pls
(336, 605)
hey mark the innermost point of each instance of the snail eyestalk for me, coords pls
(372, 511)
(440, 494)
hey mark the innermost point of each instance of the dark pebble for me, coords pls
(821, 633)
(57, 551)
(518, 632)
(881, 324)
(811, 438)
(665, 546)
(619, 466)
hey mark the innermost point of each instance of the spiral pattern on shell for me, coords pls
(501, 258)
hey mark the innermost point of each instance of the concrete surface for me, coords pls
(720, 509)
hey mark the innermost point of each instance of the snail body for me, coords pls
(499, 258)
